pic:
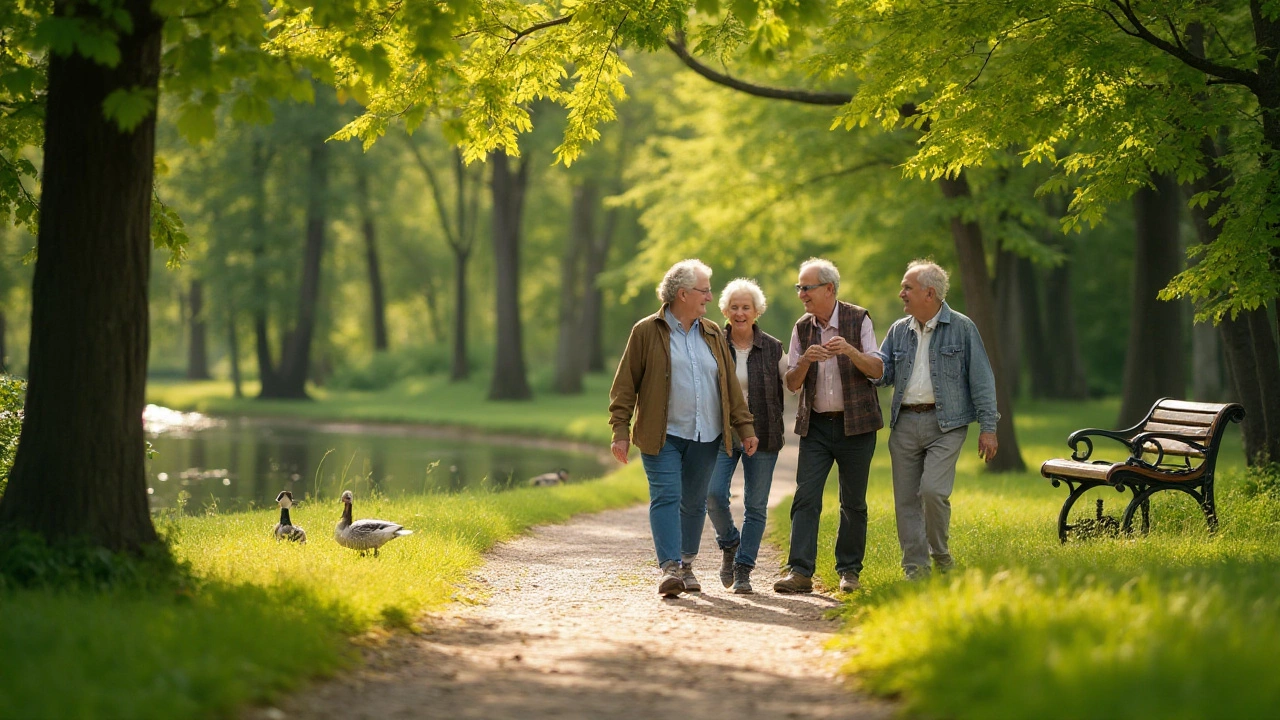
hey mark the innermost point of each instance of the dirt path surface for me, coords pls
(567, 623)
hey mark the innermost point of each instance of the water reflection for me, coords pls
(232, 464)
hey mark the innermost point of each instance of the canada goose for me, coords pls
(552, 478)
(365, 535)
(286, 530)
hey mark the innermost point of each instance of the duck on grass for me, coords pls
(365, 535)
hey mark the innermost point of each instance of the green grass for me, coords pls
(264, 616)
(1177, 624)
(431, 400)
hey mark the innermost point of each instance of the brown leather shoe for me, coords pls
(794, 583)
(671, 584)
(849, 582)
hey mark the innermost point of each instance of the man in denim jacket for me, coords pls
(942, 381)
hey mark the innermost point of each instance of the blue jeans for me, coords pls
(758, 470)
(678, 477)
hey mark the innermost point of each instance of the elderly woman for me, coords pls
(760, 365)
(676, 379)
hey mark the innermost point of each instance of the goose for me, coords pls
(286, 530)
(548, 479)
(365, 535)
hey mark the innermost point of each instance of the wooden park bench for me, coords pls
(1161, 449)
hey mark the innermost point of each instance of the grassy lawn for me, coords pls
(262, 617)
(1174, 625)
(427, 400)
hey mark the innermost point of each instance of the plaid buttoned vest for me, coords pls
(861, 404)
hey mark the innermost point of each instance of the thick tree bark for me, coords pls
(510, 381)
(980, 304)
(198, 341)
(1009, 315)
(1155, 365)
(1062, 348)
(377, 302)
(80, 464)
(570, 358)
(295, 358)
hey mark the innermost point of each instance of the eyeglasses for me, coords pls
(808, 288)
(704, 291)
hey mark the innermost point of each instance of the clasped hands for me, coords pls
(829, 349)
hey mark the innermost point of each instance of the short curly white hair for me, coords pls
(743, 285)
(827, 272)
(930, 274)
(683, 274)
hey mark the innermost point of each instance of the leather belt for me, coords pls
(923, 408)
(830, 415)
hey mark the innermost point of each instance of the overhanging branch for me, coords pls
(808, 97)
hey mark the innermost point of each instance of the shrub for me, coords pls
(1263, 480)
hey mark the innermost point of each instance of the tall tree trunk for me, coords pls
(461, 367)
(1206, 364)
(4, 346)
(376, 301)
(570, 359)
(510, 381)
(1068, 381)
(1009, 314)
(980, 304)
(198, 342)
(295, 358)
(431, 294)
(80, 464)
(1155, 364)
(267, 373)
(233, 354)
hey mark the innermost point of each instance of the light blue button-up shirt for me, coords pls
(693, 408)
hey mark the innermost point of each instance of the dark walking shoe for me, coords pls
(671, 584)
(726, 565)
(793, 583)
(849, 581)
(915, 573)
(944, 566)
(742, 579)
(691, 583)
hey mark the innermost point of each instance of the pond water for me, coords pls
(239, 463)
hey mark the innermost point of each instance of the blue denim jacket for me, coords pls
(963, 384)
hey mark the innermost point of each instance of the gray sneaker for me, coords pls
(915, 573)
(727, 555)
(793, 583)
(671, 584)
(691, 583)
(849, 581)
(944, 565)
(742, 579)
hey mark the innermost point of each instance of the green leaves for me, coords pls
(129, 106)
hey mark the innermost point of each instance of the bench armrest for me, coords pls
(1082, 436)
(1139, 441)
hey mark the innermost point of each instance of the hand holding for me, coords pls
(839, 346)
(817, 353)
(620, 448)
(987, 446)
(749, 446)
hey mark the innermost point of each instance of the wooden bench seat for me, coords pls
(1161, 450)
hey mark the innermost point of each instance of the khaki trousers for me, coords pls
(924, 474)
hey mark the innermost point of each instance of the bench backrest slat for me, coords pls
(1174, 417)
(1187, 405)
(1195, 432)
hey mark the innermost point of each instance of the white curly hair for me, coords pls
(930, 274)
(743, 285)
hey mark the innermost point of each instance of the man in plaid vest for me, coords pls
(839, 415)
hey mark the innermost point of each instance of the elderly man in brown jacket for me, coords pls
(676, 379)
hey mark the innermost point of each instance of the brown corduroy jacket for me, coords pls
(642, 386)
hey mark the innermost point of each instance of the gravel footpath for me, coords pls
(566, 622)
